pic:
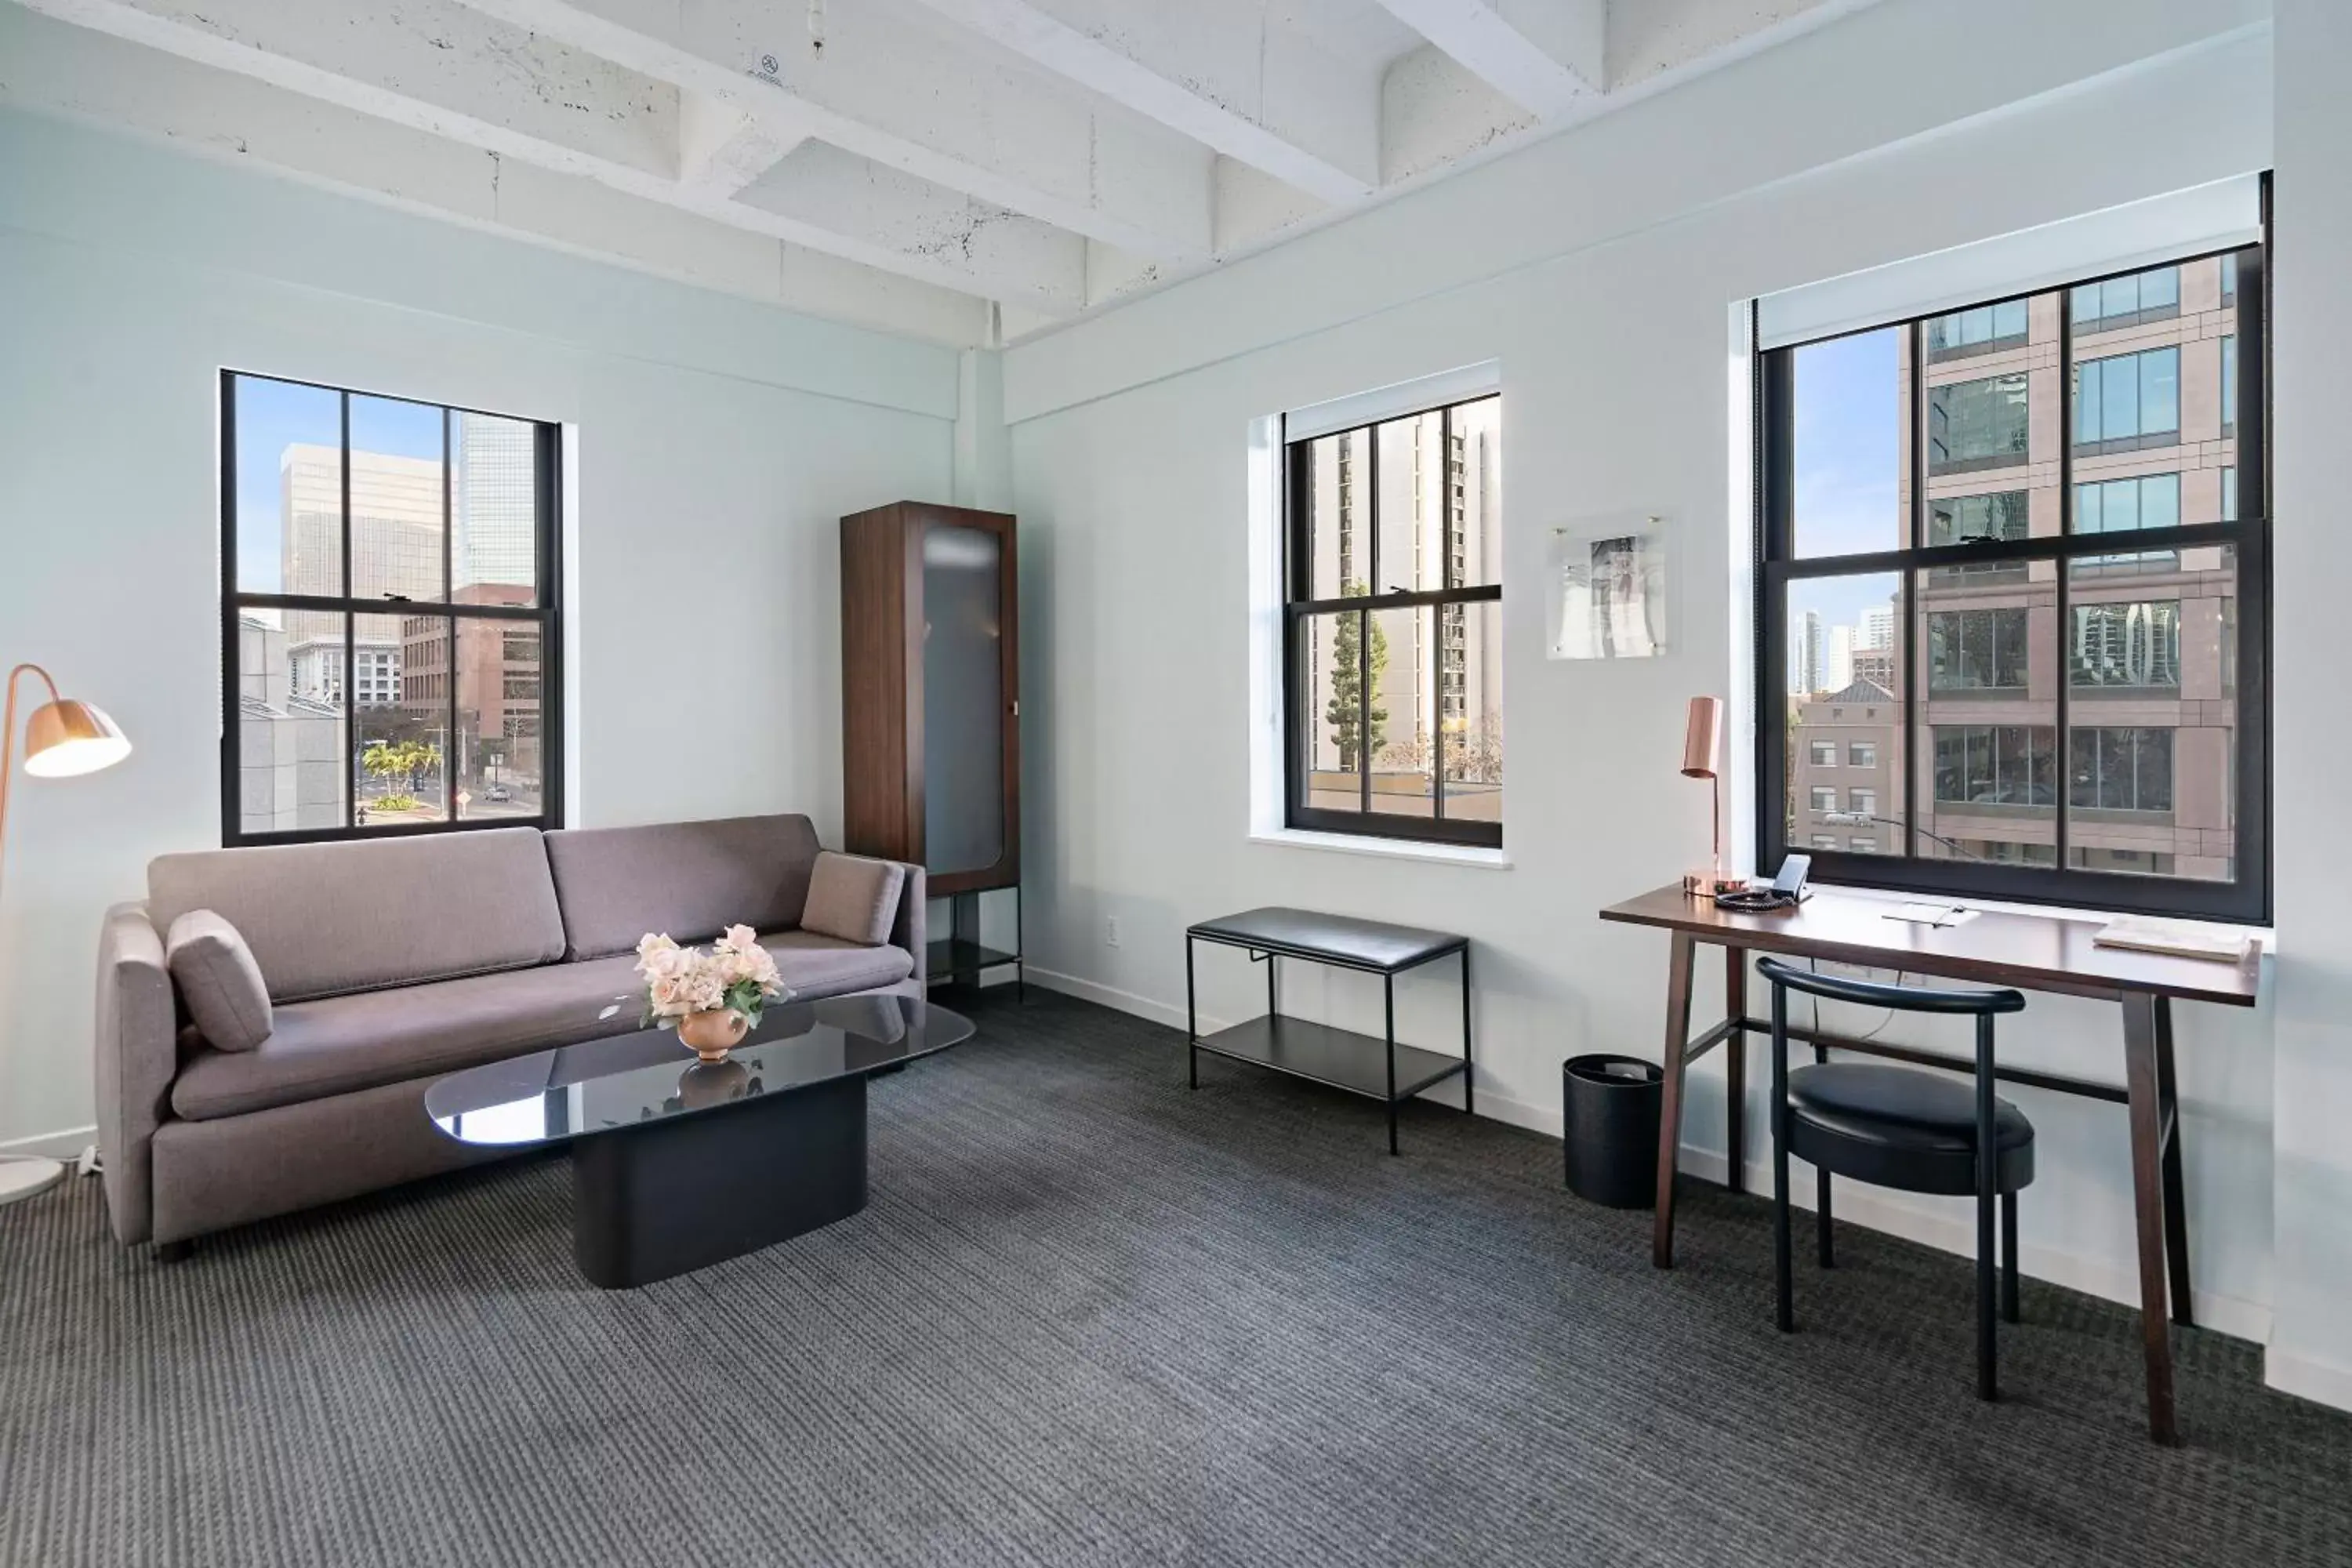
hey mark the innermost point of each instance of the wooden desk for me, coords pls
(2032, 953)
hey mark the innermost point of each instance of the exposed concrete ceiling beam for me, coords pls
(721, 148)
(54, 68)
(902, 93)
(1209, 71)
(1547, 55)
(440, 68)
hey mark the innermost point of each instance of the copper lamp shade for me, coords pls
(65, 737)
(1703, 738)
(1703, 759)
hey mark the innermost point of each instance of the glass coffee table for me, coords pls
(678, 1163)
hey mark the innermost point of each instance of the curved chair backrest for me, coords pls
(1877, 993)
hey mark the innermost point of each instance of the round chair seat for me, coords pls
(1898, 1127)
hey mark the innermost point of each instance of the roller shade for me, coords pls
(2223, 214)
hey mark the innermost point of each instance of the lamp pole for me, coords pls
(62, 737)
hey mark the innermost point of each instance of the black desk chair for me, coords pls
(1915, 1131)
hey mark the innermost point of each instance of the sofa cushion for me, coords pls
(218, 980)
(324, 920)
(337, 1044)
(853, 898)
(816, 966)
(689, 880)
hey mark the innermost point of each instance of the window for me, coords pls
(1977, 425)
(1996, 765)
(1392, 627)
(1976, 650)
(2128, 402)
(2230, 386)
(1982, 330)
(2134, 645)
(1824, 753)
(2128, 300)
(2062, 576)
(412, 545)
(2120, 770)
(1825, 841)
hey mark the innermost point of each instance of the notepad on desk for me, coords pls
(2180, 941)
(1931, 914)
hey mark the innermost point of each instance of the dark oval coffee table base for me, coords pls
(677, 1165)
(673, 1196)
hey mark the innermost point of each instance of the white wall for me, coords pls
(718, 441)
(2311, 1348)
(1600, 267)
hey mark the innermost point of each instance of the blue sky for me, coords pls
(272, 416)
(1849, 458)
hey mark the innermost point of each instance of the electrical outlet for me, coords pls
(1111, 931)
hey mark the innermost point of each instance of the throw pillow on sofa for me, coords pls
(219, 980)
(853, 898)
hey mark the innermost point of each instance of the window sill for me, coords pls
(1393, 848)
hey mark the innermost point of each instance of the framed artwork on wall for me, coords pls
(1608, 589)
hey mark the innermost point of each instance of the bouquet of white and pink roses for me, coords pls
(736, 976)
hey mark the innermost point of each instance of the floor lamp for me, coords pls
(62, 738)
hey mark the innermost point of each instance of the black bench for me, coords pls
(1340, 1058)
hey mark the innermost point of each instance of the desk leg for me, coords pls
(2176, 1197)
(1734, 1069)
(1670, 1112)
(2142, 1083)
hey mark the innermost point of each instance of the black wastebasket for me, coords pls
(1609, 1122)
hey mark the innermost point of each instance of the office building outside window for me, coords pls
(2063, 529)
(1392, 627)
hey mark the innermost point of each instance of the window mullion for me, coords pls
(351, 623)
(1914, 718)
(2061, 806)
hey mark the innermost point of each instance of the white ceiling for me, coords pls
(968, 169)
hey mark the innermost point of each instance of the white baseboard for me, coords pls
(2113, 1280)
(65, 1144)
(2307, 1377)
(1874, 1208)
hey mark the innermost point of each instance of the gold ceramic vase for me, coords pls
(710, 1035)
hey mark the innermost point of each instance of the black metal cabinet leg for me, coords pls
(2176, 1197)
(1469, 1071)
(1388, 997)
(1192, 1020)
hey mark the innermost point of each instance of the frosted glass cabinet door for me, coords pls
(964, 701)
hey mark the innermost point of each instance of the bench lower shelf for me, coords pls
(1342, 1058)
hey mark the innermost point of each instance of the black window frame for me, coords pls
(544, 614)
(1299, 606)
(2246, 897)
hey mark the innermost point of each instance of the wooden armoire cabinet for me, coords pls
(930, 709)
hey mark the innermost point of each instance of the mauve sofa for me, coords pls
(392, 962)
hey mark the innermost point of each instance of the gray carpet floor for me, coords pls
(1090, 1318)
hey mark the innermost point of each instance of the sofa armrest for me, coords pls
(137, 1058)
(906, 930)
